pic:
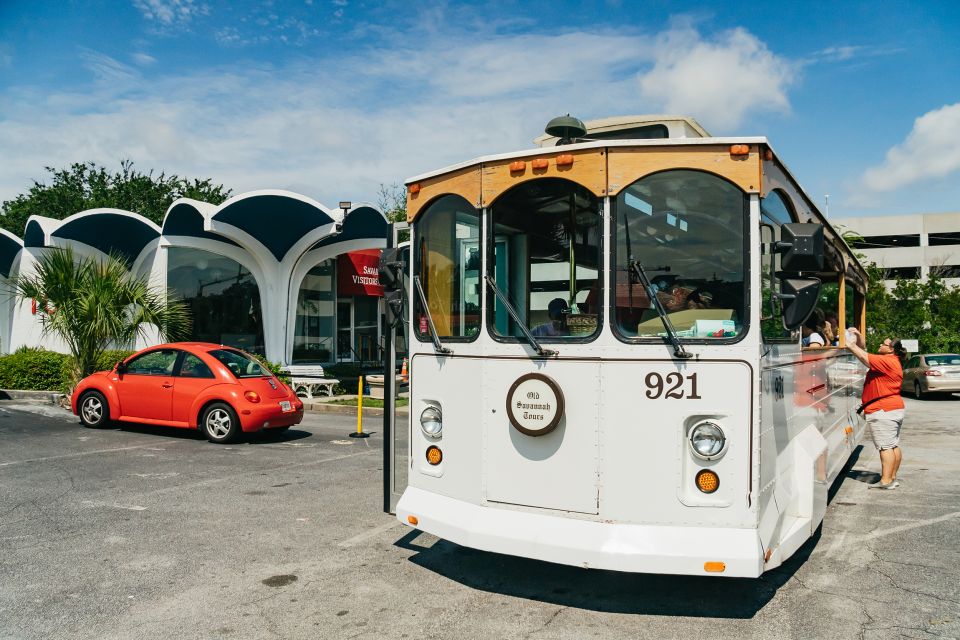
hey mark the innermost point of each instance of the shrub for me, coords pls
(34, 368)
(275, 368)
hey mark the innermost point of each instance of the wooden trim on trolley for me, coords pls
(586, 167)
(626, 165)
(464, 183)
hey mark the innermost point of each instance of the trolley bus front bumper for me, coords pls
(640, 548)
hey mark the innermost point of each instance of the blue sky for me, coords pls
(331, 98)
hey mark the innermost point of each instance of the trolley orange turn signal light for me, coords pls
(715, 567)
(434, 455)
(708, 481)
(413, 520)
(540, 163)
(518, 166)
(565, 160)
(252, 396)
(414, 188)
(739, 149)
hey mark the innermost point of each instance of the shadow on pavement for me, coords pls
(598, 590)
(263, 437)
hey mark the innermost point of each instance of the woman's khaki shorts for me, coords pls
(885, 428)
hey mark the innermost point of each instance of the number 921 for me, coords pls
(671, 386)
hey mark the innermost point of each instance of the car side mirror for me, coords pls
(391, 269)
(802, 247)
(798, 298)
(121, 367)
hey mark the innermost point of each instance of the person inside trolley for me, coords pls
(557, 310)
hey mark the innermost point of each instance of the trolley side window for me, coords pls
(546, 259)
(687, 229)
(447, 260)
(775, 211)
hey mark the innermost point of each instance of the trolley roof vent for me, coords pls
(567, 129)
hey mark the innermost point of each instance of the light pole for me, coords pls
(826, 205)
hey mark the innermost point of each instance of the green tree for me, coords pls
(392, 200)
(85, 186)
(94, 305)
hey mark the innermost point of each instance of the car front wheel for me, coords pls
(94, 411)
(220, 423)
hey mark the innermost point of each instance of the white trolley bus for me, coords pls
(604, 340)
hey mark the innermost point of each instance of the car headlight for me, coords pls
(707, 441)
(431, 422)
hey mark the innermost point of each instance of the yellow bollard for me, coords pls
(359, 432)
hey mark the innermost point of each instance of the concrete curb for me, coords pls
(49, 397)
(369, 412)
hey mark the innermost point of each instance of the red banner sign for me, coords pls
(357, 274)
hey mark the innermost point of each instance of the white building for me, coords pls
(272, 272)
(909, 246)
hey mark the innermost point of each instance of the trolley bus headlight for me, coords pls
(707, 441)
(431, 422)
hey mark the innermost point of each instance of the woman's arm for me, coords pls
(856, 349)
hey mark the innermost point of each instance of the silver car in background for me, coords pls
(931, 373)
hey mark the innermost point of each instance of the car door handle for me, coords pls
(167, 385)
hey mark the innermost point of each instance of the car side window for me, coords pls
(194, 367)
(154, 363)
(914, 362)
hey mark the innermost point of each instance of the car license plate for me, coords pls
(286, 406)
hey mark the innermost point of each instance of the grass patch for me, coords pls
(376, 403)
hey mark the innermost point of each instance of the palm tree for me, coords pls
(93, 304)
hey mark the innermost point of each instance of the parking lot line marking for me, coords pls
(113, 505)
(366, 535)
(906, 527)
(72, 455)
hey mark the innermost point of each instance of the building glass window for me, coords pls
(314, 334)
(223, 297)
(943, 238)
(905, 273)
(546, 260)
(886, 242)
(687, 229)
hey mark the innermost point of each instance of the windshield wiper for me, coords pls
(516, 318)
(439, 348)
(678, 349)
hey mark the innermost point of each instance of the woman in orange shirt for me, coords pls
(882, 404)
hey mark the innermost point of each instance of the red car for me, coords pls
(193, 385)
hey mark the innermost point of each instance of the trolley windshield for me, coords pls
(688, 231)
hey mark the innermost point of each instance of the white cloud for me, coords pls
(929, 152)
(106, 69)
(143, 59)
(335, 128)
(170, 12)
(719, 82)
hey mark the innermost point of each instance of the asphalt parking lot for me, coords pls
(156, 533)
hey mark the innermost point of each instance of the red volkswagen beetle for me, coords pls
(193, 385)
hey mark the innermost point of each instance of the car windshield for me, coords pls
(943, 360)
(239, 364)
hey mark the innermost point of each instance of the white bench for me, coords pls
(308, 380)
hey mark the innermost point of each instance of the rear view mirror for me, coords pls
(121, 367)
(798, 298)
(801, 246)
(391, 269)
